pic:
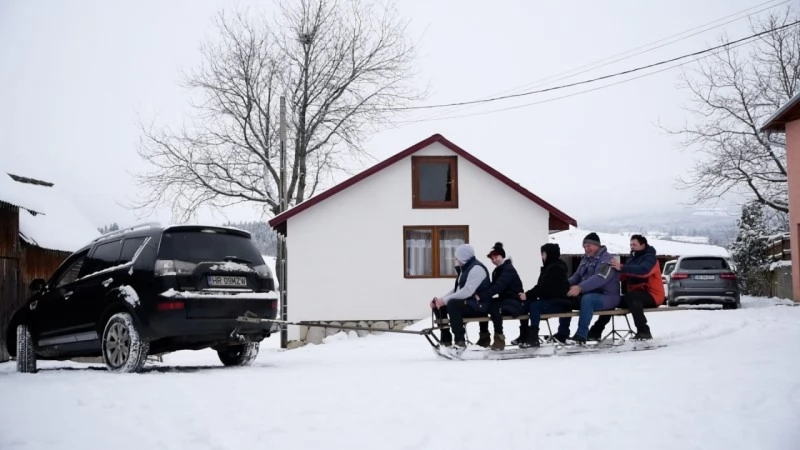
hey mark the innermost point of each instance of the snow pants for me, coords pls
(551, 306)
(507, 306)
(456, 311)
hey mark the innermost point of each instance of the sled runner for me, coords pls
(545, 350)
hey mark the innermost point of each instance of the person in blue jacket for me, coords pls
(595, 282)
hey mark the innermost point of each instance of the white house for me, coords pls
(344, 261)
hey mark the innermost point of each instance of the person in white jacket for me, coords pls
(464, 299)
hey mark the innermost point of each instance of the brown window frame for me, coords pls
(416, 203)
(435, 229)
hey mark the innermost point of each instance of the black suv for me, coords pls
(148, 290)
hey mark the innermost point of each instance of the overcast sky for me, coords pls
(75, 75)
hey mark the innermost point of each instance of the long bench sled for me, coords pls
(616, 340)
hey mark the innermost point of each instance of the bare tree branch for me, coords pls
(340, 63)
(733, 92)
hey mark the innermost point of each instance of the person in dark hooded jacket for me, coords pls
(506, 285)
(549, 296)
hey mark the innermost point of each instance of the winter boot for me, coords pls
(643, 334)
(499, 342)
(557, 339)
(594, 335)
(531, 342)
(446, 338)
(459, 345)
(523, 335)
(578, 339)
(484, 340)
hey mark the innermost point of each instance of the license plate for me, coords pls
(704, 277)
(220, 280)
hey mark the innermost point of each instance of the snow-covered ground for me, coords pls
(727, 380)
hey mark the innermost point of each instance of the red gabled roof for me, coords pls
(556, 215)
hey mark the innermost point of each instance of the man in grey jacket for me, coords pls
(463, 300)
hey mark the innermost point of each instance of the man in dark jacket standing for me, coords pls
(506, 285)
(642, 273)
(549, 296)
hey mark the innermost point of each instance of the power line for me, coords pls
(573, 94)
(592, 80)
(593, 65)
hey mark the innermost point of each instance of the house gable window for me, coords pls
(434, 181)
(429, 251)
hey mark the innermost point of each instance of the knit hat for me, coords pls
(497, 250)
(464, 253)
(592, 238)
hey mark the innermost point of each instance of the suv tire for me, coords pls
(124, 351)
(239, 355)
(26, 357)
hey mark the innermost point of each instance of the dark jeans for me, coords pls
(507, 306)
(551, 306)
(456, 311)
(636, 302)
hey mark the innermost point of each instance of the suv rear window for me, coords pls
(198, 246)
(704, 264)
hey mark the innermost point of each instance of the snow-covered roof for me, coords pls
(47, 218)
(571, 243)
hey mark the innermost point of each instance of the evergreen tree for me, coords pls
(749, 249)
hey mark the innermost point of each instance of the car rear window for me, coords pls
(704, 264)
(200, 246)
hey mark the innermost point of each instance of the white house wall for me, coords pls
(345, 254)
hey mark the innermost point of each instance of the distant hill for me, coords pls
(716, 226)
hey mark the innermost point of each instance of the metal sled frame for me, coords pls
(615, 334)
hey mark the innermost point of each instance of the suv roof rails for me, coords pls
(125, 230)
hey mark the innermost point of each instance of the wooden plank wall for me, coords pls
(9, 269)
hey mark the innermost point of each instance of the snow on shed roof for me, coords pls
(571, 243)
(47, 218)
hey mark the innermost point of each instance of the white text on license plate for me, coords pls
(219, 280)
(704, 277)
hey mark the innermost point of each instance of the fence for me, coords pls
(779, 248)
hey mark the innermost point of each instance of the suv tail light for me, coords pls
(170, 305)
(263, 270)
(728, 276)
(170, 267)
(680, 276)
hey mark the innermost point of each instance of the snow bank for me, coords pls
(777, 264)
(57, 225)
(571, 243)
(727, 380)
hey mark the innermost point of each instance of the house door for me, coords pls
(9, 298)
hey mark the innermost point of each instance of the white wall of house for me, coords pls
(345, 254)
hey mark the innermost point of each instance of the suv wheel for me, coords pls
(26, 357)
(239, 355)
(123, 349)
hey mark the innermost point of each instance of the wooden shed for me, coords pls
(39, 228)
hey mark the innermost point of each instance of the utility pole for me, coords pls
(282, 239)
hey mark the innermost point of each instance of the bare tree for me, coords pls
(342, 65)
(733, 92)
